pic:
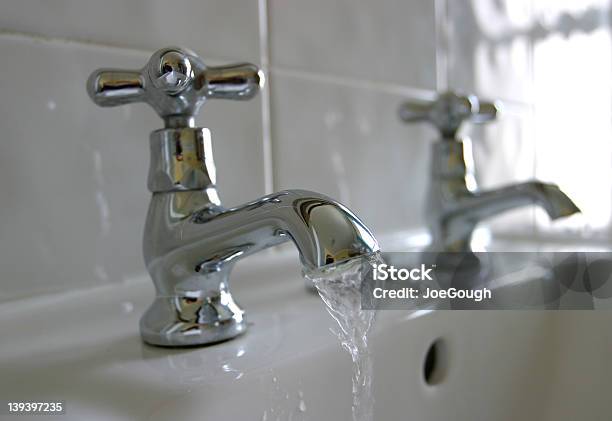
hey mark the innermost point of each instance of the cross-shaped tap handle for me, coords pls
(176, 83)
(449, 111)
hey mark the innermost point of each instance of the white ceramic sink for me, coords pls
(84, 348)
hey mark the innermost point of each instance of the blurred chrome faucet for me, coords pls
(191, 242)
(454, 205)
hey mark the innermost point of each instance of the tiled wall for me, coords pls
(73, 191)
(73, 175)
(339, 70)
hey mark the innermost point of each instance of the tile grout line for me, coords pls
(266, 119)
(71, 41)
(351, 82)
(537, 231)
(512, 106)
(441, 22)
(30, 36)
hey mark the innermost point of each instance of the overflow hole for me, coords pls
(435, 362)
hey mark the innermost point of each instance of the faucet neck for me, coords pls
(182, 160)
(448, 159)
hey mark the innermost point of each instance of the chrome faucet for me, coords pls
(191, 242)
(454, 204)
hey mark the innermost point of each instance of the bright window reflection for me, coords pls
(572, 105)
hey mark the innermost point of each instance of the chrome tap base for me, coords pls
(185, 321)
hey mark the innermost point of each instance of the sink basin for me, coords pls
(83, 347)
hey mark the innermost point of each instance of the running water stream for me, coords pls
(340, 289)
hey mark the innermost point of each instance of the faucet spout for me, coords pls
(549, 196)
(455, 206)
(191, 245)
(457, 220)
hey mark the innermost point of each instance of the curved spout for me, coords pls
(461, 210)
(484, 204)
(185, 239)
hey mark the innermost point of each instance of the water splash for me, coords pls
(282, 404)
(302, 403)
(340, 289)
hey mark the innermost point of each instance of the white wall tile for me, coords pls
(223, 29)
(490, 48)
(573, 127)
(347, 142)
(389, 41)
(73, 188)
